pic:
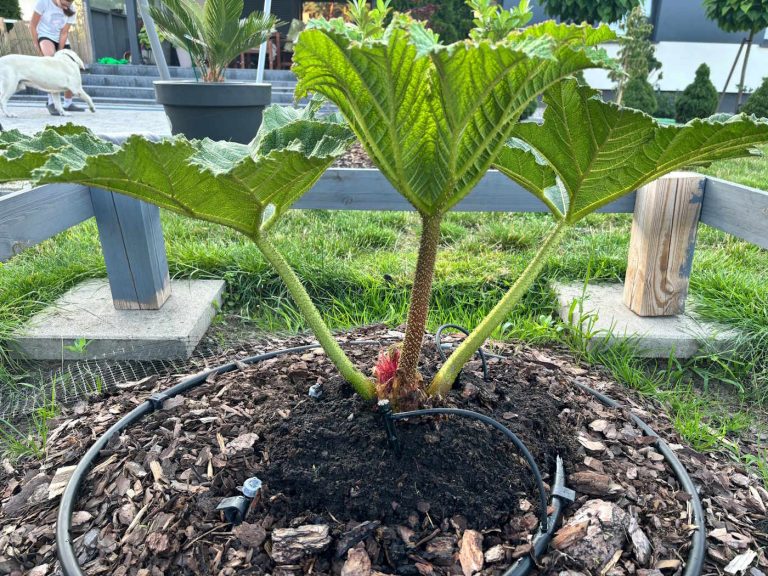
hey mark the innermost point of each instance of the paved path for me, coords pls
(109, 119)
(112, 119)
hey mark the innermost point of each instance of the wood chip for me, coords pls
(741, 562)
(241, 444)
(351, 537)
(157, 471)
(591, 445)
(251, 535)
(440, 550)
(640, 543)
(60, 481)
(589, 482)
(520, 551)
(471, 552)
(41, 570)
(135, 469)
(292, 544)
(406, 535)
(671, 564)
(611, 563)
(595, 464)
(733, 540)
(599, 425)
(740, 480)
(186, 487)
(158, 542)
(81, 517)
(756, 501)
(98, 469)
(358, 563)
(495, 554)
(569, 534)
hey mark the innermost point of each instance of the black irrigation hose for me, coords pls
(696, 557)
(501, 428)
(439, 345)
(71, 567)
(65, 550)
(562, 496)
(695, 563)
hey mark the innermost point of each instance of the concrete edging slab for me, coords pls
(86, 311)
(656, 337)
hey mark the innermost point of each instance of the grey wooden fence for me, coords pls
(134, 251)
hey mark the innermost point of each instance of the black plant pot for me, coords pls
(216, 110)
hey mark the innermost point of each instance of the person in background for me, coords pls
(50, 27)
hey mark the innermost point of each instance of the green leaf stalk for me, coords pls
(362, 385)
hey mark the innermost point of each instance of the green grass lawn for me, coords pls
(358, 266)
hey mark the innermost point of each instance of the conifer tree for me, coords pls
(665, 104)
(588, 10)
(758, 102)
(451, 19)
(699, 99)
(637, 56)
(639, 94)
(10, 9)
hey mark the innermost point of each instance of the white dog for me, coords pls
(54, 74)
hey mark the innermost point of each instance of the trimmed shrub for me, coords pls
(639, 94)
(665, 104)
(588, 10)
(10, 9)
(758, 102)
(699, 99)
(451, 19)
(637, 54)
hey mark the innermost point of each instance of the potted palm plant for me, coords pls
(213, 34)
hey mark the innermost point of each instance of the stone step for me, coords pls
(33, 99)
(132, 92)
(118, 96)
(177, 72)
(146, 81)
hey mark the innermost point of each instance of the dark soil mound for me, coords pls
(332, 453)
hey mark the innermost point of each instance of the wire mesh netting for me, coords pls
(40, 384)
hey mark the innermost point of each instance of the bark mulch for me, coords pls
(355, 157)
(336, 500)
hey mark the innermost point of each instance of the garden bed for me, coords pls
(459, 499)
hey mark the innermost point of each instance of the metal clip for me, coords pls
(560, 490)
(316, 391)
(234, 509)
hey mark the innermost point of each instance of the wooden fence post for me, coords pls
(134, 250)
(661, 248)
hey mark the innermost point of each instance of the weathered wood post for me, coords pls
(134, 250)
(661, 248)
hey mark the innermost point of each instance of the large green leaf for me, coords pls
(245, 187)
(21, 154)
(433, 117)
(598, 152)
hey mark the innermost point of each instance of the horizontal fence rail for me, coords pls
(28, 217)
(368, 189)
(31, 216)
(739, 210)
